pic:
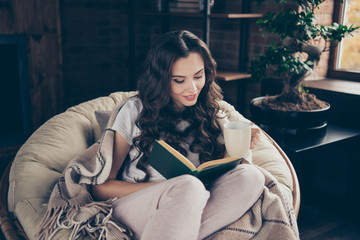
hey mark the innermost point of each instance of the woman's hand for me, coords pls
(255, 136)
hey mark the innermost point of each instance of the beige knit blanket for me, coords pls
(271, 217)
(71, 206)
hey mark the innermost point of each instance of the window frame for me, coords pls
(332, 71)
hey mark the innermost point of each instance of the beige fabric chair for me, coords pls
(40, 161)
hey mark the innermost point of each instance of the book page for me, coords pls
(217, 162)
(178, 155)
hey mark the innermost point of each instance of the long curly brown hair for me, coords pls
(159, 119)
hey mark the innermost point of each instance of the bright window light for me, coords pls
(349, 49)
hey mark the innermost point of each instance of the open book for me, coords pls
(170, 163)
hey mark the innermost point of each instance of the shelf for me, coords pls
(214, 15)
(236, 15)
(335, 85)
(171, 14)
(231, 76)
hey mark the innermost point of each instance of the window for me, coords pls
(345, 60)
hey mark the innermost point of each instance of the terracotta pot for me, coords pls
(289, 122)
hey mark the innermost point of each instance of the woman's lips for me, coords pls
(190, 97)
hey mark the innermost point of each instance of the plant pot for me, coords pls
(293, 123)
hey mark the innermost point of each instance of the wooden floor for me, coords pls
(317, 224)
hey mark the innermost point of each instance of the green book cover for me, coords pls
(170, 163)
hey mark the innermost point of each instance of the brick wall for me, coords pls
(95, 48)
(324, 16)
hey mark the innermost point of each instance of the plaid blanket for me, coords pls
(71, 206)
(271, 217)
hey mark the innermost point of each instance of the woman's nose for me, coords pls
(192, 85)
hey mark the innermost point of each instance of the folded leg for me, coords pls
(230, 197)
(168, 210)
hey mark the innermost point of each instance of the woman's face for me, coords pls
(187, 80)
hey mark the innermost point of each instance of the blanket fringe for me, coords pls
(49, 222)
(93, 219)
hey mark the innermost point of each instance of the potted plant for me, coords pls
(292, 60)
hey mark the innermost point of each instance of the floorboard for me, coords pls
(317, 224)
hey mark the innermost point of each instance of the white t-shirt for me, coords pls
(125, 126)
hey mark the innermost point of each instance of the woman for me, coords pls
(177, 102)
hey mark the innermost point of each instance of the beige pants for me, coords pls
(182, 209)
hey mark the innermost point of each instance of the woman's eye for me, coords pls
(198, 77)
(178, 81)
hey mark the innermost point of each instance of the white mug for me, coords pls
(237, 137)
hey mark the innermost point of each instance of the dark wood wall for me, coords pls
(39, 21)
(95, 48)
